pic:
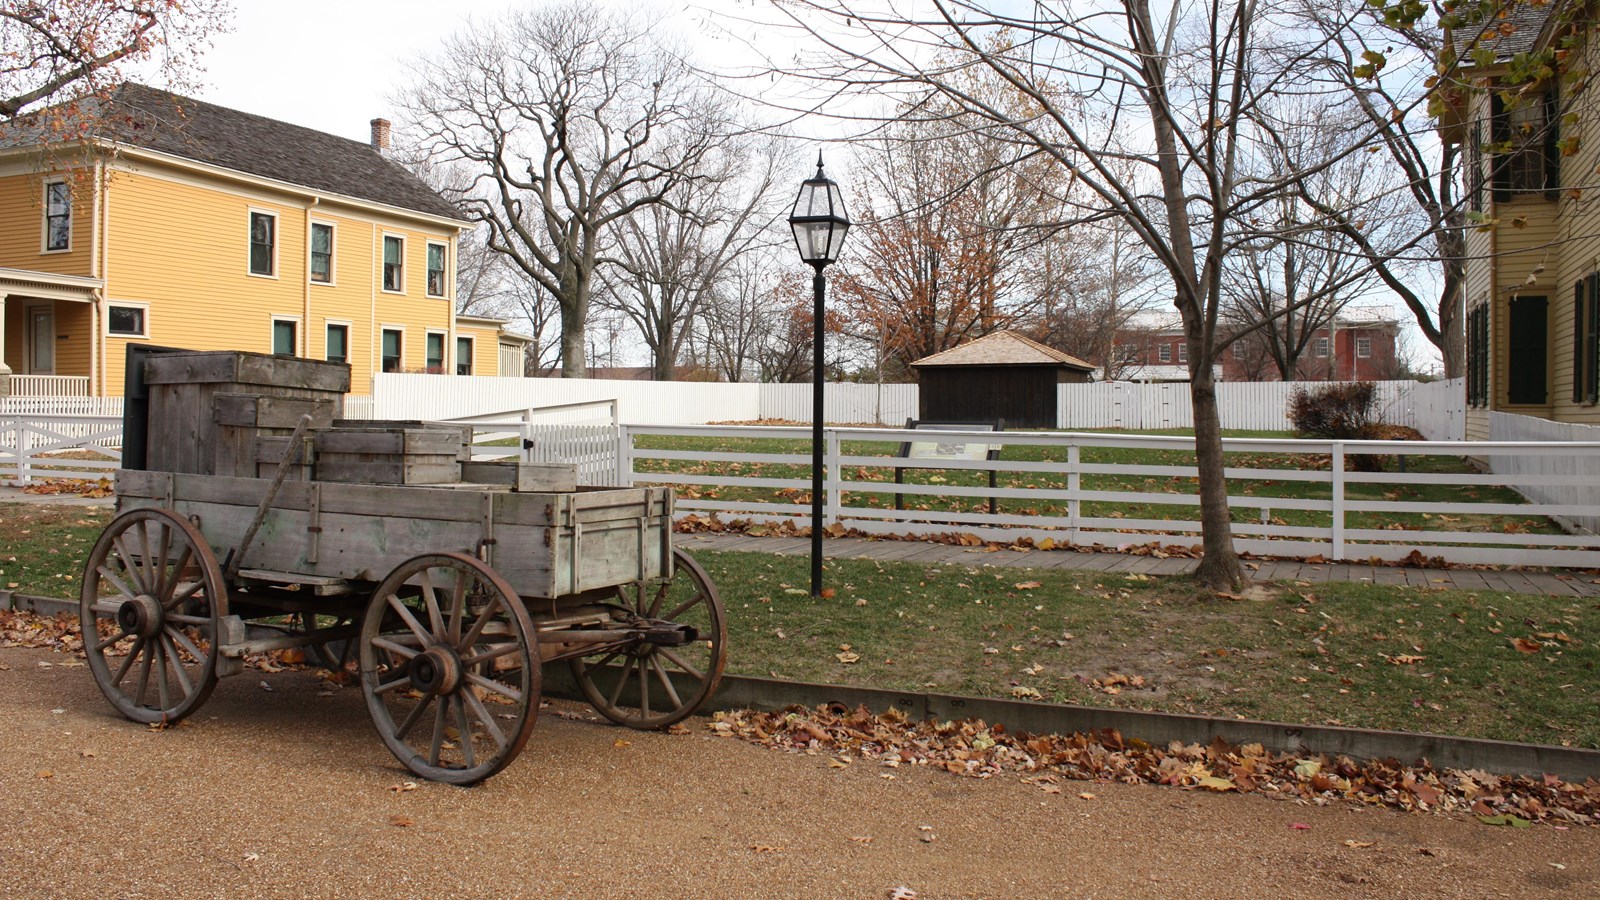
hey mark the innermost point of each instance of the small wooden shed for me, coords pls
(1002, 375)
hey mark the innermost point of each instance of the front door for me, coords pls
(41, 340)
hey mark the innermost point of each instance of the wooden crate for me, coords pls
(183, 434)
(243, 419)
(524, 478)
(547, 545)
(384, 453)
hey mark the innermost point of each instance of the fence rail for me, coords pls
(59, 446)
(1088, 514)
(1436, 411)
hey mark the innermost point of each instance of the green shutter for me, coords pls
(1579, 321)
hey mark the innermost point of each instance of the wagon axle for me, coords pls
(140, 616)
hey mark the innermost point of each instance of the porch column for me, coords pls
(5, 370)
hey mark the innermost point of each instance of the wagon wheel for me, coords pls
(645, 685)
(449, 667)
(150, 604)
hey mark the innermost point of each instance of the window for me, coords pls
(1363, 347)
(1165, 353)
(283, 337)
(1586, 340)
(263, 243)
(434, 347)
(1478, 356)
(322, 253)
(1525, 144)
(394, 271)
(1526, 338)
(1320, 348)
(463, 356)
(57, 216)
(338, 343)
(392, 338)
(436, 269)
(1183, 353)
(126, 321)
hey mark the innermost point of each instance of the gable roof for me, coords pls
(167, 123)
(1516, 29)
(1004, 348)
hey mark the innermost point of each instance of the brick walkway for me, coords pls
(1556, 583)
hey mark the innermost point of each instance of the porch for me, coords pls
(48, 340)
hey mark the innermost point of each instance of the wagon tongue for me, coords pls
(669, 634)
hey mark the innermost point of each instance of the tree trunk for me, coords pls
(1219, 569)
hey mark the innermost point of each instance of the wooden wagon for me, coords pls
(447, 599)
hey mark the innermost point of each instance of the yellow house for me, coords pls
(185, 224)
(1532, 287)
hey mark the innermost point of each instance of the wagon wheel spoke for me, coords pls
(465, 639)
(646, 685)
(132, 579)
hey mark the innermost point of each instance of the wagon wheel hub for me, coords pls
(140, 615)
(437, 671)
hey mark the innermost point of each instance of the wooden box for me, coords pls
(521, 477)
(243, 419)
(390, 454)
(183, 435)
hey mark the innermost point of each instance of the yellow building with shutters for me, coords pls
(185, 224)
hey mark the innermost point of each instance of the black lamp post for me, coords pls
(819, 223)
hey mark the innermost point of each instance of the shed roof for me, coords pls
(192, 129)
(1004, 348)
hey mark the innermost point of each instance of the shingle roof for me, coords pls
(255, 145)
(1516, 31)
(1003, 348)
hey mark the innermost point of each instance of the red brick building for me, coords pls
(1359, 346)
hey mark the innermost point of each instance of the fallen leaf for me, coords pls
(1299, 826)
(1085, 795)
(902, 893)
(1359, 845)
(1213, 783)
(400, 821)
(1525, 645)
(86, 754)
(861, 839)
(828, 593)
(1027, 585)
(1023, 692)
(403, 786)
(45, 773)
(848, 657)
(621, 742)
(265, 686)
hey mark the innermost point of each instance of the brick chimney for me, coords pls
(380, 135)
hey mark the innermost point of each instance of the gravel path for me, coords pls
(288, 794)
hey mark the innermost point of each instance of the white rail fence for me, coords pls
(1576, 475)
(1250, 405)
(59, 446)
(1061, 484)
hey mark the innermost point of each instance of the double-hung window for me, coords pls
(394, 271)
(392, 338)
(463, 356)
(338, 343)
(434, 346)
(57, 216)
(1320, 348)
(321, 253)
(436, 258)
(263, 243)
(1164, 353)
(1364, 347)
(283, 337)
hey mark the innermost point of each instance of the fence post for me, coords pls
(24, 447)
(1072, 485)
(526, 451)
(1338, 500)
(624, 456)
(832, 502)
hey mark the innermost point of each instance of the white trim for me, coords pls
(249, 241)
(472, 355)
(131, 304)
(379, 360)
(444, 349)
(333, 253)
(348, 327)
(444, 274)
(383, 263)
(44, 214)
(1359, 342)
(272, 335)
(1164, 353)
(1320, 347)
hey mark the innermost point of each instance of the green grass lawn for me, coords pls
(1358, 655)
(1260, 493)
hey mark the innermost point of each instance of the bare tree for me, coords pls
(1096, 278)
(571, 118)
(60, 51)
(669, 258)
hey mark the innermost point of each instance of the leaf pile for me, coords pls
(25, 629)
(82, 487)
(973, 749)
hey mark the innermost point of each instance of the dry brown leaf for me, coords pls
(1524, 645)
(1027, 585)
(400, 821)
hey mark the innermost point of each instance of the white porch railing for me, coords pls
(60, 406)
(59, 446)
(49, 385)
(1063, 488)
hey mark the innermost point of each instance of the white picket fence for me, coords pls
(842, 402)
(60, 406)
(1250, 405)
(1249, 490)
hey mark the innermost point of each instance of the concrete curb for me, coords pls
(746, 692)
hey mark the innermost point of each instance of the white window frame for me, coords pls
(444, 275)
(277, 241)
(299, 335)
(333, 253)
(1319, 348)
(383, 245)
(472, 354)
(444, 349)
(1364, 347)
(402, 330)
(1183, 352)
(349, 337)
(44, 216)
(132, 304)
(1164, 353)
